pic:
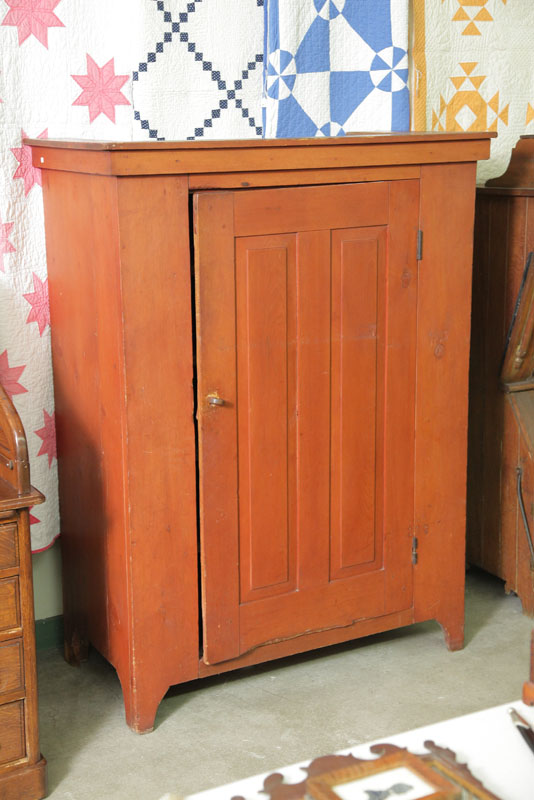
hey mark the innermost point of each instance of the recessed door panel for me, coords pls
(357, 380)
(266, 322)
(305, 416)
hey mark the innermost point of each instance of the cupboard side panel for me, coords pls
(444, 308)
(83, 266)
(477, 393)
(160, 437)
(494, 337)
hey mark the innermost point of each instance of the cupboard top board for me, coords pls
(252, 155)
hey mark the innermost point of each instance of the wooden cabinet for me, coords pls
(501, 439)
(22, 768)
(260, 361)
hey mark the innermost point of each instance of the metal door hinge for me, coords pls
(419, 245)
(414, 550)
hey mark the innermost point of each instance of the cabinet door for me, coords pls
(306, 337)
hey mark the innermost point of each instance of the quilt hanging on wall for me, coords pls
(121, 70)
(335, 66)
(163, 69)
(473, 63)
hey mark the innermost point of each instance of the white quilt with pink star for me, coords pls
(100, 69)
(158, 69)
(57, 77)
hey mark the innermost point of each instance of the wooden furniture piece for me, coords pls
(22, 768)
(501, 418)
(265, 453)
(518, 360)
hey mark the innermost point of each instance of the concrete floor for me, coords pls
(218, 730)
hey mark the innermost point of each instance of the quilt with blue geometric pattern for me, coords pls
(335, 66)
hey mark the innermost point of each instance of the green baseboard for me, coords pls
(49, 633)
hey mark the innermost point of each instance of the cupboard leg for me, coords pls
(75, 648)
(454, 633)
(141, 707)
(528, 693)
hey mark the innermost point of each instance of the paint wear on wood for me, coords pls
(252, 417)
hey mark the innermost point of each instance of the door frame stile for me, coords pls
(217, 461)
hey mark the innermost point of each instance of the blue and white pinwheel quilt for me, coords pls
(335, 66)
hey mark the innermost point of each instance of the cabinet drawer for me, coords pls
(9, 551)
(9, 604)
(12, 739)
(11, 667)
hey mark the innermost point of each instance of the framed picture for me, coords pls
(400, 775)
(396, 774)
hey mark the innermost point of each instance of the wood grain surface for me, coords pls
(501, 424)
(22, 768)
(256, 515)
(341, 366)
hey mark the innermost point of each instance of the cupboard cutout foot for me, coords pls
(527, 599)
(454, 634)
(141, 707)
(528, 693)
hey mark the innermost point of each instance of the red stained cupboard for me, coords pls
(260, 361)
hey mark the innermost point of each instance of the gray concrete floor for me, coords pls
(218, 730)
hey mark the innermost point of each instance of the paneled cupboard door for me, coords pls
(306, 343)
